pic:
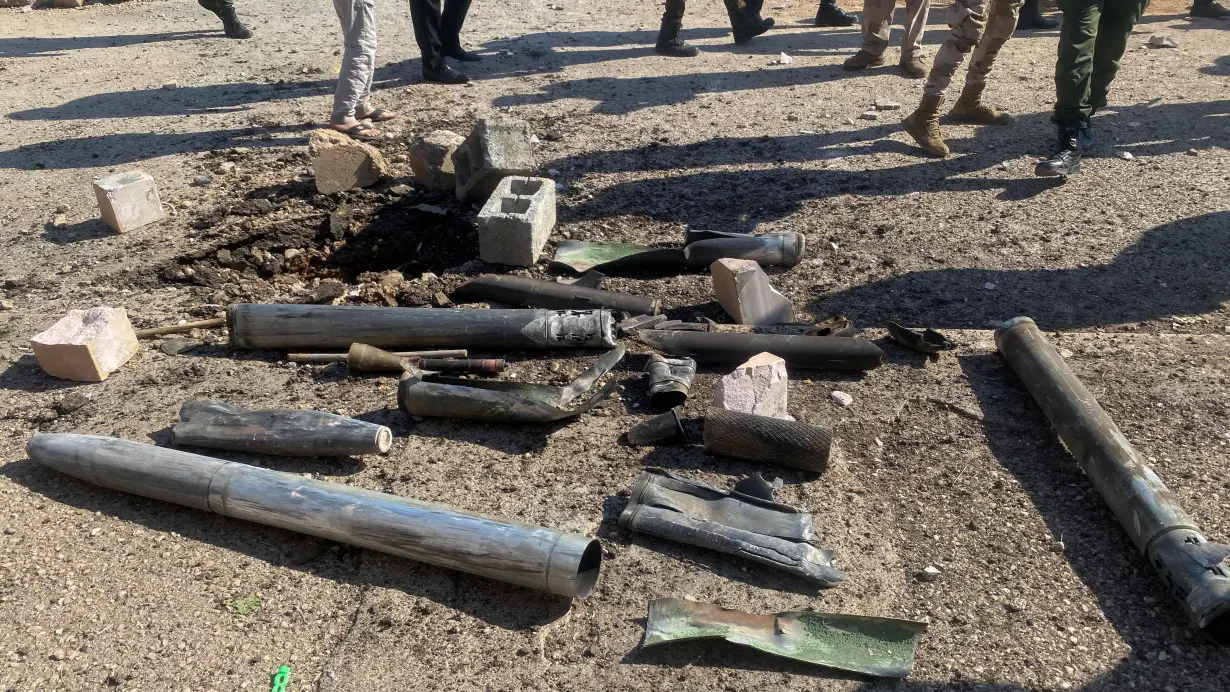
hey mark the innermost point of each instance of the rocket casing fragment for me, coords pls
(517, 290)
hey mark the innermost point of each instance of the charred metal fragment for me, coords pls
(664, 429)
(884, 647)
(927, 341)
(286, 327)
(502, 401)
(724, 348)
(773, 534)
(669, 380)
(510, 551)
(206, 423)
(1195, 569)
(639, 322)
(761, 438)
(518, 290)
(835, 325)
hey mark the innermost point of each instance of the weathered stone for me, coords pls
(841, 399)
(514, 224)
(431, 159)
(496, 149)
(86, 345)
(341, 163)
(757, 387)
(14, 3)
(128, 200)
(745, 293)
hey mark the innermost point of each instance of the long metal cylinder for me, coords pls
(272, 326)
(518, 290)
(531, 556)
(720, 348)
(218, 425)
(774, 249)
(1195, 569)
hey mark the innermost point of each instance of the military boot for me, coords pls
(231, 26)
(1209, 9)
(862, 60)
(1031, 18)
(924, 125)
(669, 42)
(829, 14)
(1067, 158)
(969, 108)
(746, 21)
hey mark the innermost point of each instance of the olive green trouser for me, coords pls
(1091, 43)
(219, 4)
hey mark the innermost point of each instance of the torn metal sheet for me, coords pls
(926, 341)
(504, 401)
(609, 258)
(884, 647)
(639, 322)
(836, 325)
(669, 380)
(217, 425)
(773, 534)
(664, 429)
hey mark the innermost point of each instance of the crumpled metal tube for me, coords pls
(503, 401)
(669, 380)
(773, 534)
(884, 647)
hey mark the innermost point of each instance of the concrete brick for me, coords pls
(496, 149)
(745, 293)
(514, 223)
(128, 200)
(86, 345)
(757, 387)
(342, 163)
(431, 158)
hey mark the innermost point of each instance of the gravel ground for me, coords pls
(941, 462)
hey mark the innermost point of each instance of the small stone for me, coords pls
(6, 304)
(174, 347)
(870, 115)
(552, 172)
(63, 209)
(1065, 353)
(784, 59)
(990, 286)
(1125, 155)
(9, 530)
(71, 402)
(534, 139)
(1134, 124)
(291, 253)
(758, 386)
(95, 532)
(202, 181)
(171, 85)
(849, 121)
(1193, 152)
(1160, 41)
(929, 573)
(1013, 607)
(842, 399)
(226, 168)
(86, 345)
(744, 292)
(440, 300)
(886, 105)
(58, 655)
(341, 163)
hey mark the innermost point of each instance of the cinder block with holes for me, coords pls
(514, 224)
(496, 149)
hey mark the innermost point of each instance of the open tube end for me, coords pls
(384, 440)
(588, 569)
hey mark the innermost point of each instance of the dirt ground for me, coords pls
(946, 462)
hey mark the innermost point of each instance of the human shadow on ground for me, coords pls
(494, 603)
(1178, 268)
(50, 47)
(90, 229)
(212, 99)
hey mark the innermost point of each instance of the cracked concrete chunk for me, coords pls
(341, 163)
(86, 345)
(128, 200)
(759, 387)
(745, 293)
(431, 159)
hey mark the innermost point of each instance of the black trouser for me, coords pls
(675, 8)
(437, 31)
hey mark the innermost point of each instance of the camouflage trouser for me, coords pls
(983, 26)
(878, 22)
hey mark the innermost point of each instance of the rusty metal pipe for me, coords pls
(509, 551)
(1195, 569)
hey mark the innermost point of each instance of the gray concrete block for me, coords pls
(514, 224)
(127, 200)
(496, 149)
(431, 158)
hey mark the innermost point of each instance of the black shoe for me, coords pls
(1031, 18)
(459, 53)
(1084, 136)
(747, 32)
(670, 44)
(445, 75)
(829, 14)
(1067, 159)
(746, 21)
(1209, 9)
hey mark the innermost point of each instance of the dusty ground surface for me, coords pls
(945, 463)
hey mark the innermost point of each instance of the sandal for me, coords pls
(377, 116)
(358, 131)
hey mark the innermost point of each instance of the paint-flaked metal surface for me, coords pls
(669, 380)
(883, 647)
(580, 257)
(668, 506)
(218, 425)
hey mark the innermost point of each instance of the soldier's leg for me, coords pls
(1114, 28)
(669, 42)
(1001, 22)
(225, 9)
(1073, 75)
(877, 24)
(967, 20)
(914, 22)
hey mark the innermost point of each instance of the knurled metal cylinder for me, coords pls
(761, 438)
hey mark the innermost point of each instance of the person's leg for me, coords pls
(745, 19)
(877, 25)
(225, 9)
(915, 22)
(1209, 9)
(1073, 75)
(829, 14)
(1031, 19)
(453, 17)
(426, 17)
(967, 20)
(354, 78)
(1001, 22)
(1114, 28)
(669, 42)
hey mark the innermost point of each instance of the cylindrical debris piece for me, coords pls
(1195, 570)
(773, 249)
(285, 327)
(531, 556)
(342, 357)
(722, 348)
(518, 290)
(365, 358)
(180, 328)
(205, 423)
(760, 438)
(485, 365)
(669, 380)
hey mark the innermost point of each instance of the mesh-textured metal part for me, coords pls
(760, 438)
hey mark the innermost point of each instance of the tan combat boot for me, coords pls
(862, 60)
(924, 125)
(914, 66)
(969, 108)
